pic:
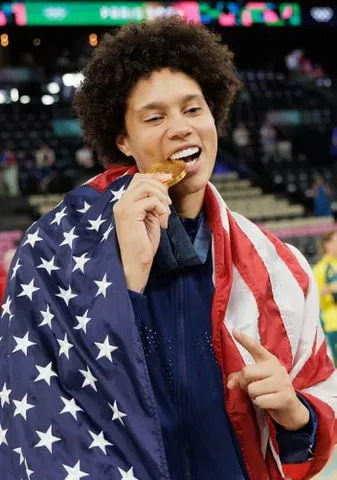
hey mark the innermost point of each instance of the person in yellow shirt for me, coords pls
(325, 272)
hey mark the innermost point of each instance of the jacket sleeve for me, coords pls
(315, 379)
(139, 305)
(297, 447)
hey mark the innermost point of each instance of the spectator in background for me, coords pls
(87, 164)
(325, 272)
(242, 142)
(268, 141)
(44, 161)
(10, 178)
(84, 157)
(322, 196)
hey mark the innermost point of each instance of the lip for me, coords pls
(183, 147)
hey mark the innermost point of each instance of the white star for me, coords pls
(19, 451)
(117, 194)
(3, 433)
(80, 262)
(58, 216)
(89, 379)
(45, 373)
(74, 473)
(28, 289)
(47, 317)
(65, 346)
(99, 441)
(6, 307)
(107, 233)
(47, 439)
(32, 238)
(71, 407)
(66, 295)
(96, 224)
(49, 266)
(85, 208)
(127, 475)
(22, 407)
(23, 344)
(102, 286)
(118, 415)
(4, 395)
(16, 268)
(82, 322)
(28, 472)
(105, 349)
(69, 237)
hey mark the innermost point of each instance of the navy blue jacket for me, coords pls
(174, 320)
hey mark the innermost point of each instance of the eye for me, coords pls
(194, 110)
(153, 119)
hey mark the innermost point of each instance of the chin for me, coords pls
(190, 185)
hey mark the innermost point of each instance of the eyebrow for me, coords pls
(154, 105)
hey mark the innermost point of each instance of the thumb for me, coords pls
(233, 380)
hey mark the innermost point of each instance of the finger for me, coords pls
(253, 373)
(145, 189)
(154, 206)
(233, 380)
(271, 401)
(158, 179)
(257, 351)
(263, 387)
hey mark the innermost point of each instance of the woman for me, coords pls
(325, 272)
(125, 362)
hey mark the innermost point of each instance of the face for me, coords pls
(331, 246)
(166, 115)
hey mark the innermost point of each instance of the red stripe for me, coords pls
(317, 368)
(238, 405)
(101, 182)
(291, 261)
(253, 271)
(297, 471)
(325, 436)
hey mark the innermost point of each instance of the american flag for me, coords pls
(75, 396)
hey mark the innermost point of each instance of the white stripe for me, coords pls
(326, 391)
(312, 324)
(264, 429)
(242, 313)
(222, 207)
(287, 293)
(276, 458)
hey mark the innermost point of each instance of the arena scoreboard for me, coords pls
(223, 14)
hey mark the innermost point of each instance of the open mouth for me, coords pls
(189, 155)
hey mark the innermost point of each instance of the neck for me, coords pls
(188, 206)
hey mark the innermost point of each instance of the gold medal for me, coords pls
(177, 169)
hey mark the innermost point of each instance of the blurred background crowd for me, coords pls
(276, 165)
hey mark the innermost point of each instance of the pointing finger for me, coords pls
(257, 351)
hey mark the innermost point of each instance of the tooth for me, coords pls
(184, 153)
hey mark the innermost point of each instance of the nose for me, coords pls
(179, 132)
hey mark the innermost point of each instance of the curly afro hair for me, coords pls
(134, 52)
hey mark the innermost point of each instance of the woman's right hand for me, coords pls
(139, 215)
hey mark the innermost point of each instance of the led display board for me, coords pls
(225, 14)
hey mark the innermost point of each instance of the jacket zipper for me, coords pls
(182, 387)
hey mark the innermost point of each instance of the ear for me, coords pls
(122, 143)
